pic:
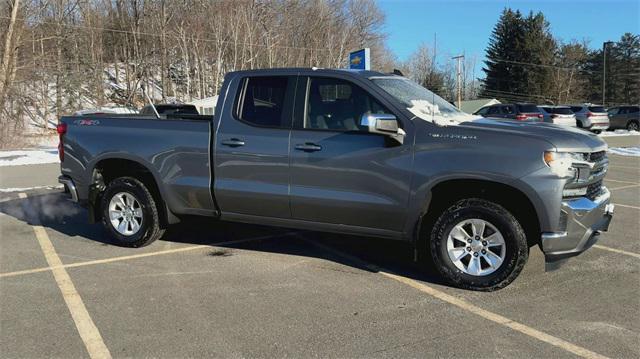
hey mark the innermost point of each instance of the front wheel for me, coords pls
(129, 213)
(478, 245)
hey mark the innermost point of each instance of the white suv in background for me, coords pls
(591, 117)
(559, 115)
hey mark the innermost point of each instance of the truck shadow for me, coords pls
(54, 211)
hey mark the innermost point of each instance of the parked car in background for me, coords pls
(624, 117)
(106, 110)
(170, 109)
(559, 115)
(591, 117)
(514, 111)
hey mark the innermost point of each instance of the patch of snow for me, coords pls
(427, 111)
(619, 133)
(625, 151)
(24, 189)
(29, 157)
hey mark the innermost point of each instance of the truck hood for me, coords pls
(564, 138)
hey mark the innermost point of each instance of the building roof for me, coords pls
(472, 106)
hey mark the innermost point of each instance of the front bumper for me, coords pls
(585, 220)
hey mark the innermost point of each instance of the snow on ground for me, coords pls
(625, 151)
(29, 157)
(619, 133)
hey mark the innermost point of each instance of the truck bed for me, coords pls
(175, 150)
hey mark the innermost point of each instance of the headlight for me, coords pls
(561, 163)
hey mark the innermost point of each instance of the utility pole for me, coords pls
(604, 70)
(459, 78)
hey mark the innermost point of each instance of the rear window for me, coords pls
(528, 108)
(261, 101)
(576, 108)
(597, 109)
(559, 110)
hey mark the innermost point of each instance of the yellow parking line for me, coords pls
(620, 251)
(141, 255)
(623, 187)
(612, 180)
(626, 206)
(86, 328)
(463, 304)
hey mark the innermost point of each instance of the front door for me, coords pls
(341, 174)
(252, 147)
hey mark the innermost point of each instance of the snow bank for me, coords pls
(619, 133)
(625, 151)
(28, 157)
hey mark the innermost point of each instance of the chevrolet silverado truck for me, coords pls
(346, 151)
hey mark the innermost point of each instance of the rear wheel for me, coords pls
(633, 126)
(129, 213)
(478, 245)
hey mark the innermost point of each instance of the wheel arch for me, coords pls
(107, 169)
(443, 194)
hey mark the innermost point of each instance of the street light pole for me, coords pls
(604, 70)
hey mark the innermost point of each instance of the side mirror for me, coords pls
(383, 124)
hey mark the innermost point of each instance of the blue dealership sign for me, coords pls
(360, 60)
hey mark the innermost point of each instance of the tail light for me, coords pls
(589, 114)
(521, 117)
(540, 116)
(61, 129)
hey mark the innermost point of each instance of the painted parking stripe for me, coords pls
(626, 206)
(464, 305)
(619, 251)
(623, 187)
(143, 255)
(86, 328)
(612, 180)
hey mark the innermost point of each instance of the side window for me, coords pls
(494, 110)
(482, 111)
(334, 104)
(509, 110)
(615, 111)
(261, 101)
(634, 109)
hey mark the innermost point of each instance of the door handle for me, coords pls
(234, 142)
(308, 147)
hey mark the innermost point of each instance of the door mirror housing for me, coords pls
(383, 124)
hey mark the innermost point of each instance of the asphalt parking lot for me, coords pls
(234, 290)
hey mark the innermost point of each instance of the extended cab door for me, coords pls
(252, 146)
(341, 174)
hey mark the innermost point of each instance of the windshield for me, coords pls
(421, 102)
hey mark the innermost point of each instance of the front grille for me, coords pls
(594, 190)
(597, 156)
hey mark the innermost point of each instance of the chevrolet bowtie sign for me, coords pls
(360, 60)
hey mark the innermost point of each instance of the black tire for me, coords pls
(516, 247)
(633, 126)
(150, 229)
(597, 132)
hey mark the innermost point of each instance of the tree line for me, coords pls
(525, 63)
(63, 55)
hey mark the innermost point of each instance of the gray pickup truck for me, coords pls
(356, 152)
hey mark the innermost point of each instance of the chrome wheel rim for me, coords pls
(633, 126)
(476, 247)
(125, 213)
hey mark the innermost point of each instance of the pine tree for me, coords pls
(504, 76)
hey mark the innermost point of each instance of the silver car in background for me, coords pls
(591, 117)
(559, 115)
